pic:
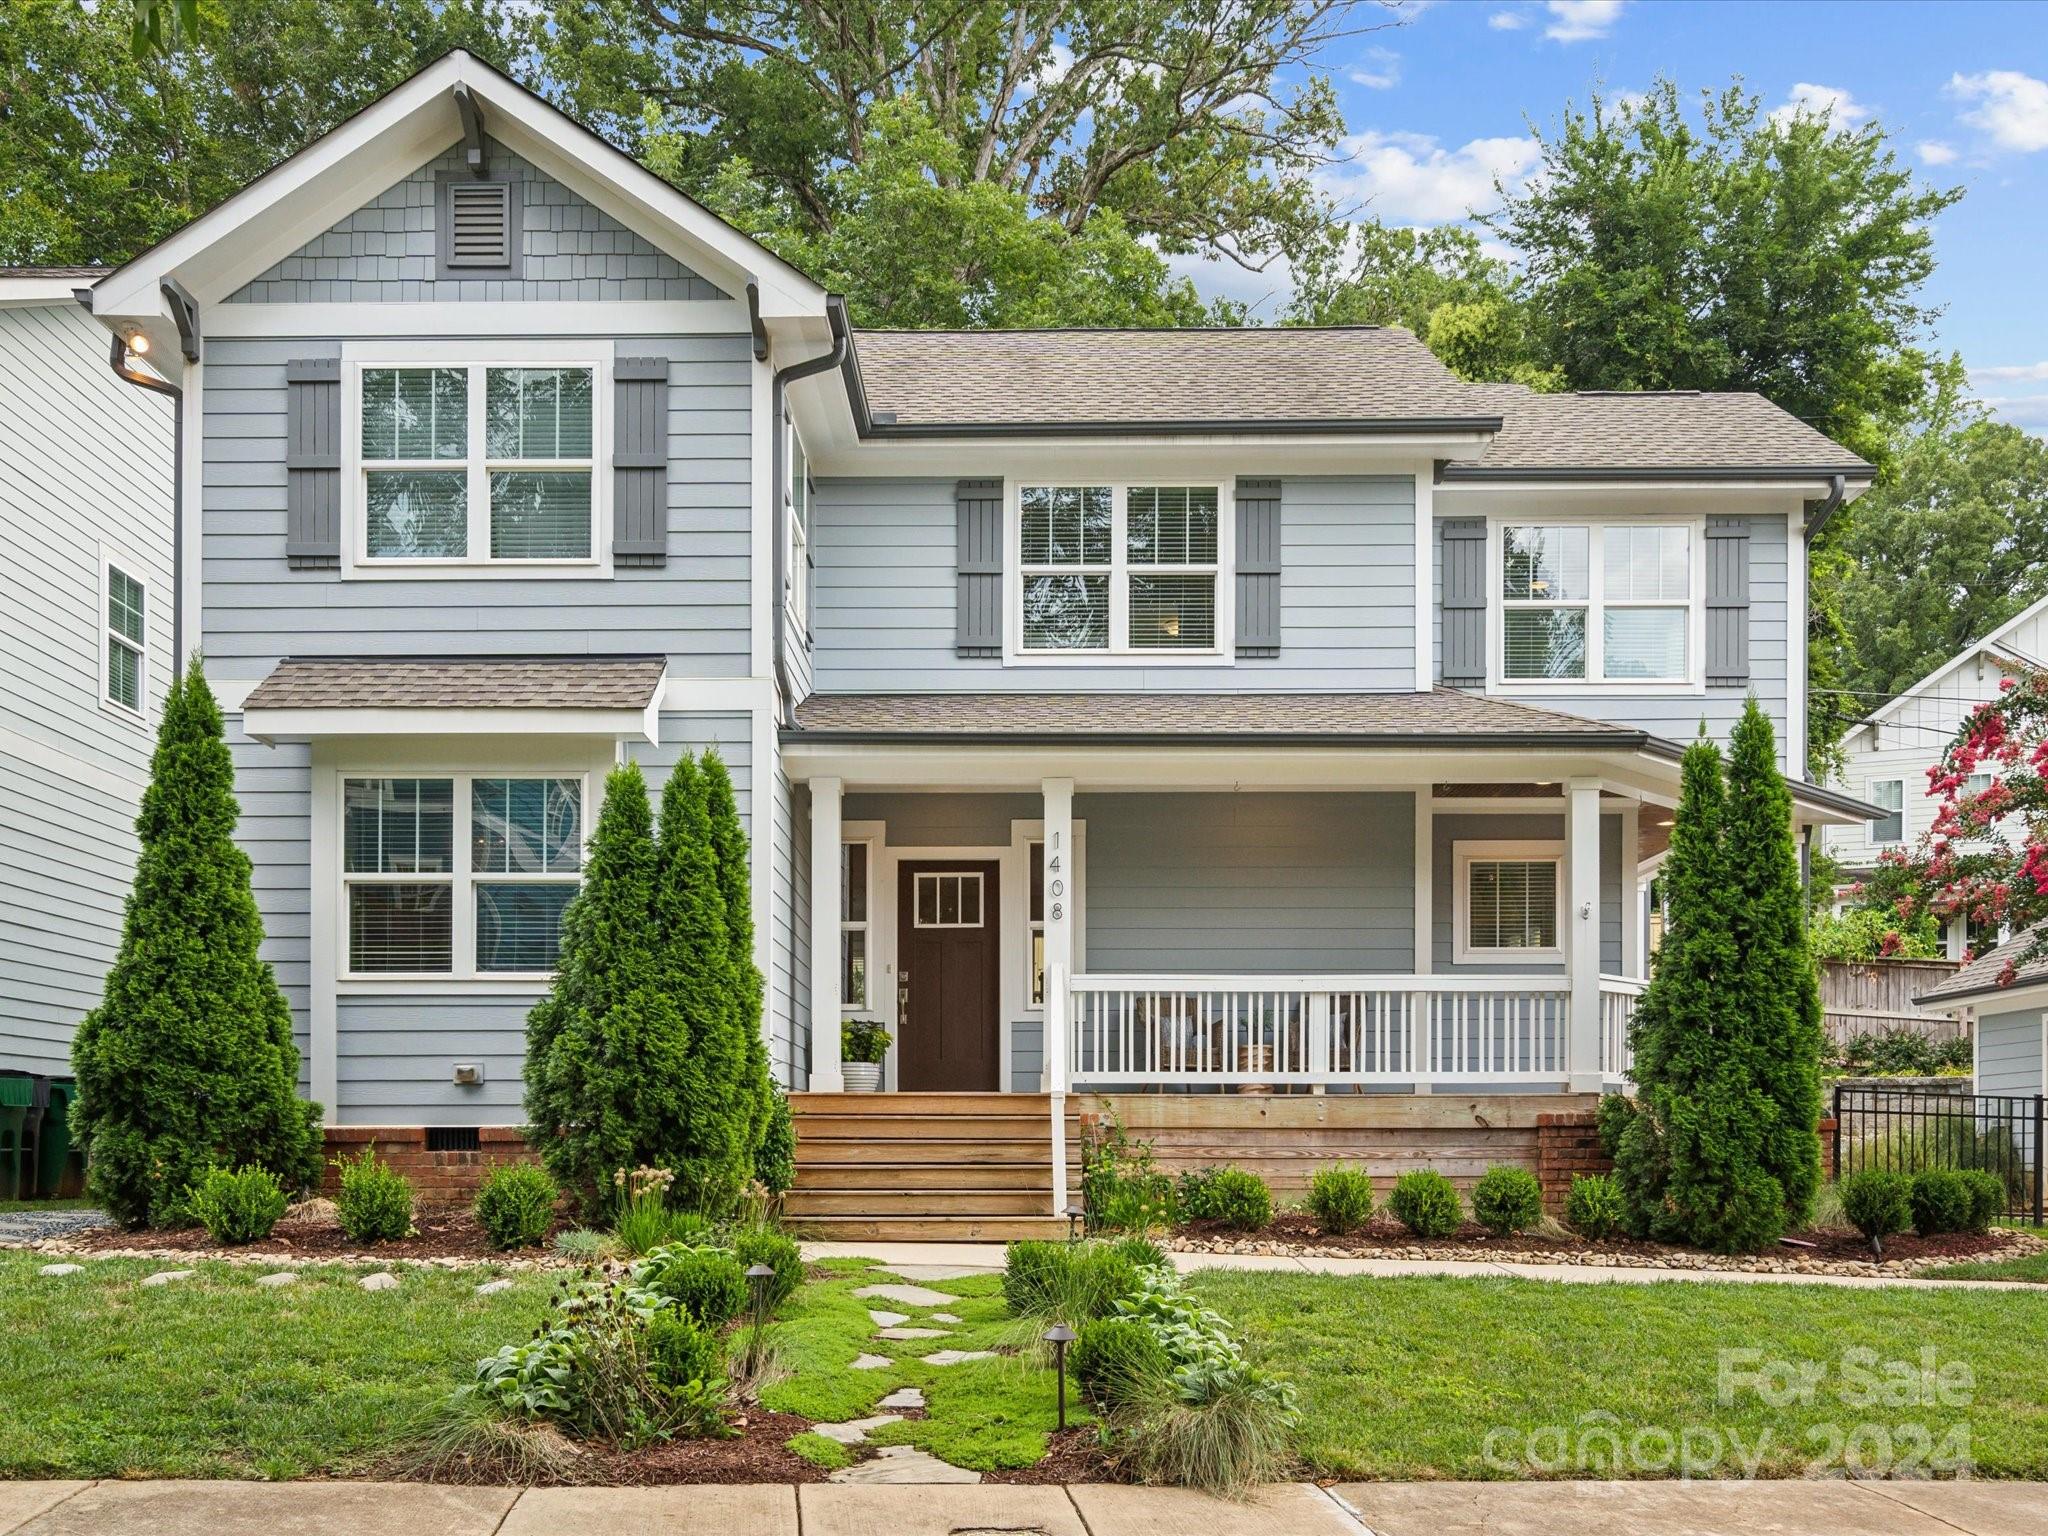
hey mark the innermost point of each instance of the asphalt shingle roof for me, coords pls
(1392, 717)
(1981, 974)
(598, 682)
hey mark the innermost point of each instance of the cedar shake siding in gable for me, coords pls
(389, 250)
(887, 595)
(692, 609)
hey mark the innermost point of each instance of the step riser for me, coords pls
(847, 1152)
(999, 1176)
(923, 1128)
(917, 1202)
(995, 1229)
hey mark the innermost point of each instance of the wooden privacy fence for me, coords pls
(1875, 997)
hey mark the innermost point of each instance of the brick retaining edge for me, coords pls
(1568, 1144)
(438, 1178)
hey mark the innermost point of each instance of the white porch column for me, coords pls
(1059, 967)
(1582, 942)
(1632, 914)
(827, 855)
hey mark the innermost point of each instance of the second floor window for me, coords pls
(1113, 568)
(1596, 603)
(1889, 795)
(796, 496)
(123, 647)
(478, 464)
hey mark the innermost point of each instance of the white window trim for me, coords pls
(1596, 524)
(1870, 827)
(1119, 572)
(1463, 856)
(461, 876)
(356, 563)
(110, 561)
(847, 1007)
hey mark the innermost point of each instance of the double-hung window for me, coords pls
(124, 647)
(1600, 602)
(1889, 796)
(1119, 569)
(478, 464)
(1508, 903)
(458, 875)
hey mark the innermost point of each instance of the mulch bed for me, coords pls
(1072, 1456)
(311, 1232)
(1383, 1237)
(758, 1454)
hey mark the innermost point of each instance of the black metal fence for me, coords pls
(1904, 1130)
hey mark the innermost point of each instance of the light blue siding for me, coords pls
(2009, 1053)
(275, 788)
(731, 735)
(694, 610)
(1449, 828)
(384, 252)
(396, 1057)
(886, 579)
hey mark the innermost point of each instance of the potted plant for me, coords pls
(862, 1045)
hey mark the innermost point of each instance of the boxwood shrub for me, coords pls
(1987, 1198)
(1594, 1207)
(1877, 1204)
(708, 1283)
(1426, 1203)
(1507, 1200)
(374, 1203)
(1941, 1201)
(238, 1207)
(516, 1205)
(1341, 1199)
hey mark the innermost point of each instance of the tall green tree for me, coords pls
(103, 151)
(1950, 546)
(188, 1061)
(736, 884)
(608, 1049)
(696, 965)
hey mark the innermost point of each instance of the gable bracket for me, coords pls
(472, 128)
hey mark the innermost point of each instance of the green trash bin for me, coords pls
(17, 1098)
(60, 1168)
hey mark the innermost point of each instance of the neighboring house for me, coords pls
(2011, 1014)
(1175, 709)
(1887, 756)
(85, 652)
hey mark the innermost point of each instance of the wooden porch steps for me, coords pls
(932, 1167)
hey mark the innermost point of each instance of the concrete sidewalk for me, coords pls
(964, 1258)
(821, 1509)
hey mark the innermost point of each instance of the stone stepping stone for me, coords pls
(937, 1271)
(903, 1397)
(492, 1287)
(855, 1431)
(908, 1295)
(913, 1333)
(943, 1317)
(903, 1464)
(166, 1276)
(54, 1270)
(870, 1362)
(276, 1278)
(383, 1280)
(955, 1356)
(893, 1319)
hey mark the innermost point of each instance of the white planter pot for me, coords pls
(861, 1076)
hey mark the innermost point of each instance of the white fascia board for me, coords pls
(1246, 453)
(1991, 642)
(274, 725)
(40, 291)
(572, 317)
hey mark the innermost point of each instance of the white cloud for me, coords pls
(1379, 70)
(1830, 101)
(1574, 21)
(1934, 152)
(2010, 106)
(1411, 178)
(2027, 411)
(1507, 21)
(2012, 373)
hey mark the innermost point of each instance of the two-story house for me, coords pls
(1196, 711)
(86, 635)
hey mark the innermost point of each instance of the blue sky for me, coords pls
(1438, 106)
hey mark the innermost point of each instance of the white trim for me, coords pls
(1118, 574)
(112, 558)
(478, 358)
(40, 290)
(1597, 525)
(1465, 853)
(1632, 919)
(1425, 576)
(1792, 751)
(827, 837)
(1017, 935)
(1425, 881)
(192, 599)
(1581, 938)
(328, 939)
(482, 318)
(1991, 641)
(273, 725)
(761, 499)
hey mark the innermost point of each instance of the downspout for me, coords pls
(1819, 514)
(117, 359)
(842, 339)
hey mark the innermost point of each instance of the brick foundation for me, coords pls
(438, 1178)
(1566, 1145)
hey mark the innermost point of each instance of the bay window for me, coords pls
(1598, 602)
(478, 464)
(458, 875)
(1115, 569)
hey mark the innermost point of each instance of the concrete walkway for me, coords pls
(821, 1509)
(968, 1258)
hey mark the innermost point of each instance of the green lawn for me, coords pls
(2031, 1267)
(215, 1377)
(1407, 1378)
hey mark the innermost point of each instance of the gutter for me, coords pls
(1819, 513)
(1453, 474)
(885, 428)
(1515, 740)
(187, 315)
(842, 349)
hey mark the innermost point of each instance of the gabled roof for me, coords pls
(302, 196)
(1980, 978)
(1993, 645)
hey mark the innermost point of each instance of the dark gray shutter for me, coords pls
(1727, 602)
(1463, 541)
(640, 461)
(312, 463)
(1258, 567)
(978, 506)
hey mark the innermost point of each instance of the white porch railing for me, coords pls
(1329, 1030)
(1618, 996)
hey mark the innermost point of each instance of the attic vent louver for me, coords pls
(479, 224)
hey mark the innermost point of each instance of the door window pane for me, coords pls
(853, 967)
(519, 927)
(401, 927)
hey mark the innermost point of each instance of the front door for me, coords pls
(947, 977)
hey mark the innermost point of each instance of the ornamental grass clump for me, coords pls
(1507, 1200)
(1426, 1203)
(516, 1205)
(1341, 1199)
(1072, 1282)
(238, 1207)
(374, 1202)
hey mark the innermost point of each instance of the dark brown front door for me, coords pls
(947, 943)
